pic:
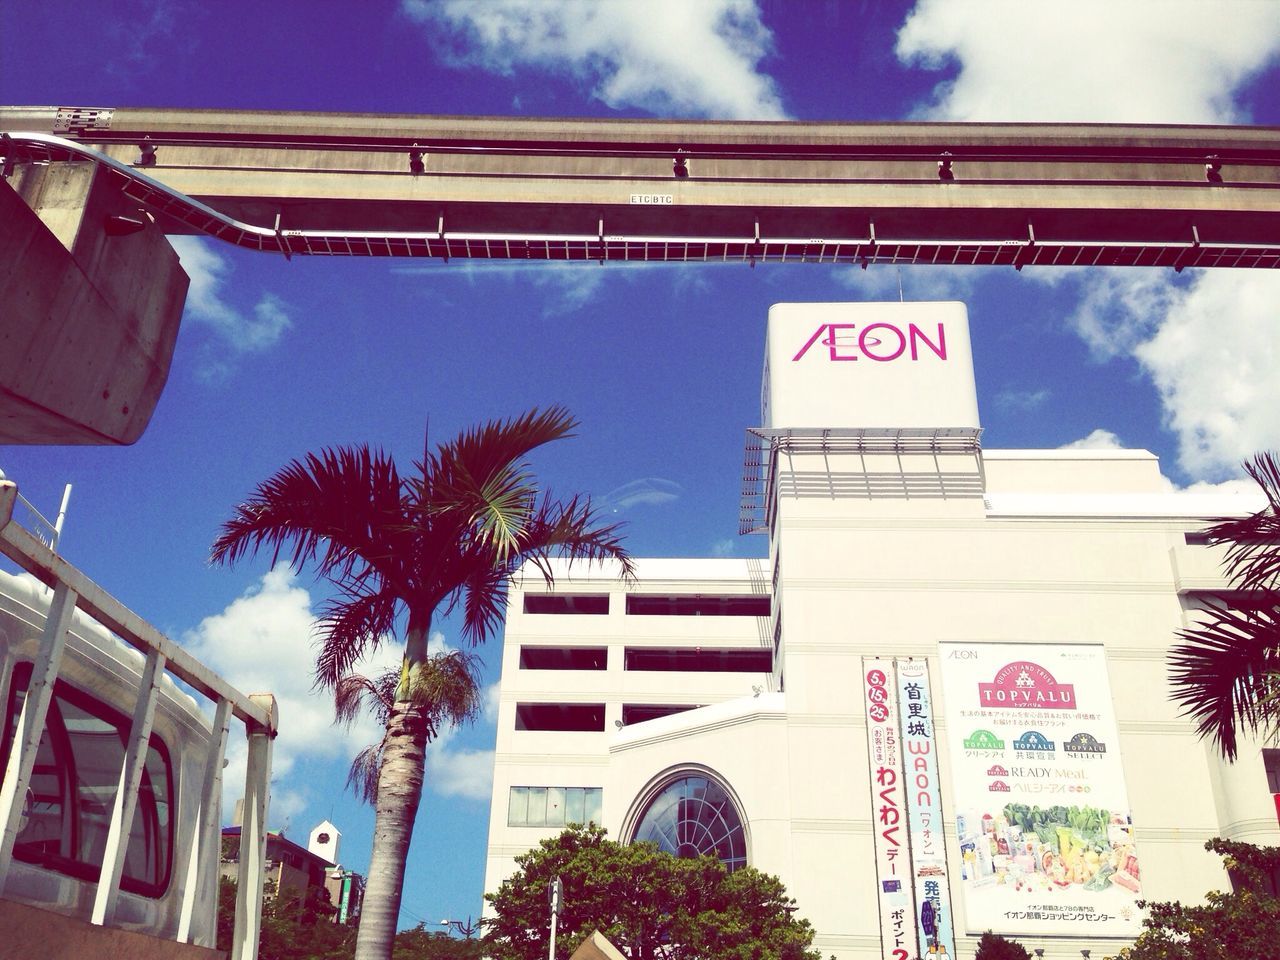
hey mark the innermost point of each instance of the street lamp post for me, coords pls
(467, 929)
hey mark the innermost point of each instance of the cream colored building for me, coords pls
(713, 693)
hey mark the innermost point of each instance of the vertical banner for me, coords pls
(935, 930)
(894, 895)
(1046, 837)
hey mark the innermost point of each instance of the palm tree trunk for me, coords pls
(399, 794)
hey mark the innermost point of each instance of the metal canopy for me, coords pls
(765, 478)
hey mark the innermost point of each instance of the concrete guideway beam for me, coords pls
(501, 188)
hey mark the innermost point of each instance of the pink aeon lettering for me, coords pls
(881, 342)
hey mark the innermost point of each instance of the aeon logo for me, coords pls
(881, 342)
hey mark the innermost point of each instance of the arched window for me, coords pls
(694, 815)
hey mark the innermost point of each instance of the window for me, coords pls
(692, 816)
(697, 605)
(587, 717)
(1271, 762)
(564, 658)
(73, 790)
(564, 603)
(640, 712)
(698, 660)
(553, 806)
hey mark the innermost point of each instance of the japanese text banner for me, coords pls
(1042, 814)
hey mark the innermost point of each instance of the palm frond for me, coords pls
(480, 452)
(480, 481)
(447, 689)
(570, 529)
(338, 509)
(1264, 468)
(362, 778)
(484, 602)
(1253, 542)
(348, 627)
(1227, 672)
(355, 693)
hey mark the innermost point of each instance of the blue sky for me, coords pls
(661, 363)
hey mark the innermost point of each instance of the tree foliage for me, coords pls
(1228, 925)
(295, 929)
(650, 904)
(1226, 671)
(419, 943)
(993, 946)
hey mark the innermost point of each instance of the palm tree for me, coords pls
(399, 551)
(1226, 675)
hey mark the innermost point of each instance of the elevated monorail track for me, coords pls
(637, 190)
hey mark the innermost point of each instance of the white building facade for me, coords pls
(940, 706)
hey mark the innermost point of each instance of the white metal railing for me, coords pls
(73, 590)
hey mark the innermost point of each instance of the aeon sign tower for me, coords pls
(883, 368)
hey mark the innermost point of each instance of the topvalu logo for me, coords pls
(1023, 685)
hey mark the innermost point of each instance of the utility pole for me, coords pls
(555, 894)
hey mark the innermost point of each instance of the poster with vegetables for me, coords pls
(1042, 814)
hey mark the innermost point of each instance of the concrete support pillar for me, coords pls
(91, 309)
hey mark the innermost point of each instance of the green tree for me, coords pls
(292, 928)
(1227, 926)
(993, 946)
(1226, 673)
(399, 550)
(650, 904)
(419, 943)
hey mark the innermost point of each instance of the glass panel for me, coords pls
(97, 758)
(574, 805)
(591, 805)
(46, 827)
(67, 813)
(555, 806)
(693, 816)
(518, 807)
(537, 806)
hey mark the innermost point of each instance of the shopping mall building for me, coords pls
(939, 707)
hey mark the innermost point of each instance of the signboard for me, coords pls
(934, 924)
(894, 894)
(870, 366)
(1042, 814)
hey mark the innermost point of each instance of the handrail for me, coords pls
(40, 561)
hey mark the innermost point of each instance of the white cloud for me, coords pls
(1210, 345)
(458, 771)
(647, 491)
(263, 643)
(1097, 440)
(670, 57)
(1238, 486)
(1214, 360)
(723, 548)
(238, 332)
(1136, 61)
